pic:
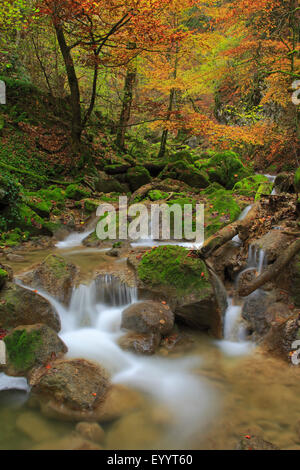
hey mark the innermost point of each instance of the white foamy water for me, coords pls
(13, 383)
(91, 330)
(74, 239)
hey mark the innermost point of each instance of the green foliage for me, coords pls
(3, 277)
(220, 210)
(172, 266)
(297, 180)
(264, 188)
(21, 347)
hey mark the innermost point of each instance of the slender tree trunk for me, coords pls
(126, 106)
(165, 133)
(74, 87)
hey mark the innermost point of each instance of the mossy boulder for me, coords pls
(117, 168)
(91, 205)
(19, 306)
(76, 192)
(225, 168)
(264, 189)
(3, 277)
(297, 181)
(183, 171)
(249, 186)
(31, 346)
(284, 183)
(108, 184)
(42, 202)
(184, 155)
(54, 275)
(220, 210)
(174, 275)
(137, 177)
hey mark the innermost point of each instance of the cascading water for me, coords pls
(91, 330)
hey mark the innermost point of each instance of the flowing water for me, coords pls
(202, 399)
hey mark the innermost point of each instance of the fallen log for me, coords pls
(227, 233)
(173, 186)
(272, 272)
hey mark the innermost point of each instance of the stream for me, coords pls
(206, 398)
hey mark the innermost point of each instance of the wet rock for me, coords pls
(255, 443)
(91, 431)
(177, 343)
(141, 343)
(31, 346)
(70, 389)
(281, 336)
(254, 312)
(272, 244)
(148, 317)
(284, 183)
(226, 261)
(114, 253)
(34, 426)
(15, 258)
(9, 271)
(119, 401)
(19, 306)
(54, 275)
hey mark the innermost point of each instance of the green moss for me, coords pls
(184, 155)
(297, 180)
(264, 188)
(57, 265)
(220, 210)
(225, 168)
(21, 347)
(76, 192)
(249, 186)
(171, 266)
(3, 277)
(183, 171)
(137, 177)
(156, 195)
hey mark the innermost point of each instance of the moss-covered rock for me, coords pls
(184, 155)
(76, 192)
(225, 168)
(183, 171)
(19, 306)
(91, 205)
(107, 184)
(171, 266)
(117, 168)
(174, 275)
(249, 186)
(31, 346)
(3, 277)
(263, 189)
(55, 275)
(297, 181)
(137, 177)
(220, 210)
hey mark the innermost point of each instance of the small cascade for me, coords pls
(111, 291)
(257, 259)
(243, 215)
(76, 238)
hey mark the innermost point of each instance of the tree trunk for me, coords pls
(74, 88)
(126, 106)
(164, 136)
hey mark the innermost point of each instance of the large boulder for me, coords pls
(273, 243)
(54, 275)
(137, 177)
(107, 184)
(249, 186)
(188, 173)
(284, 183)
(254, 312)
(70, 389)
(19, 306)
(282, 334)
(225, 168)
(148, 317)
(194, 294)
(31, 346)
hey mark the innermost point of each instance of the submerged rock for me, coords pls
(255, 443)
(148, 317)
(70, 389)
(19, 306)
(91, 431)
(54, 275)
(31, 346)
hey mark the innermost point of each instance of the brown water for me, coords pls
(256, 394)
